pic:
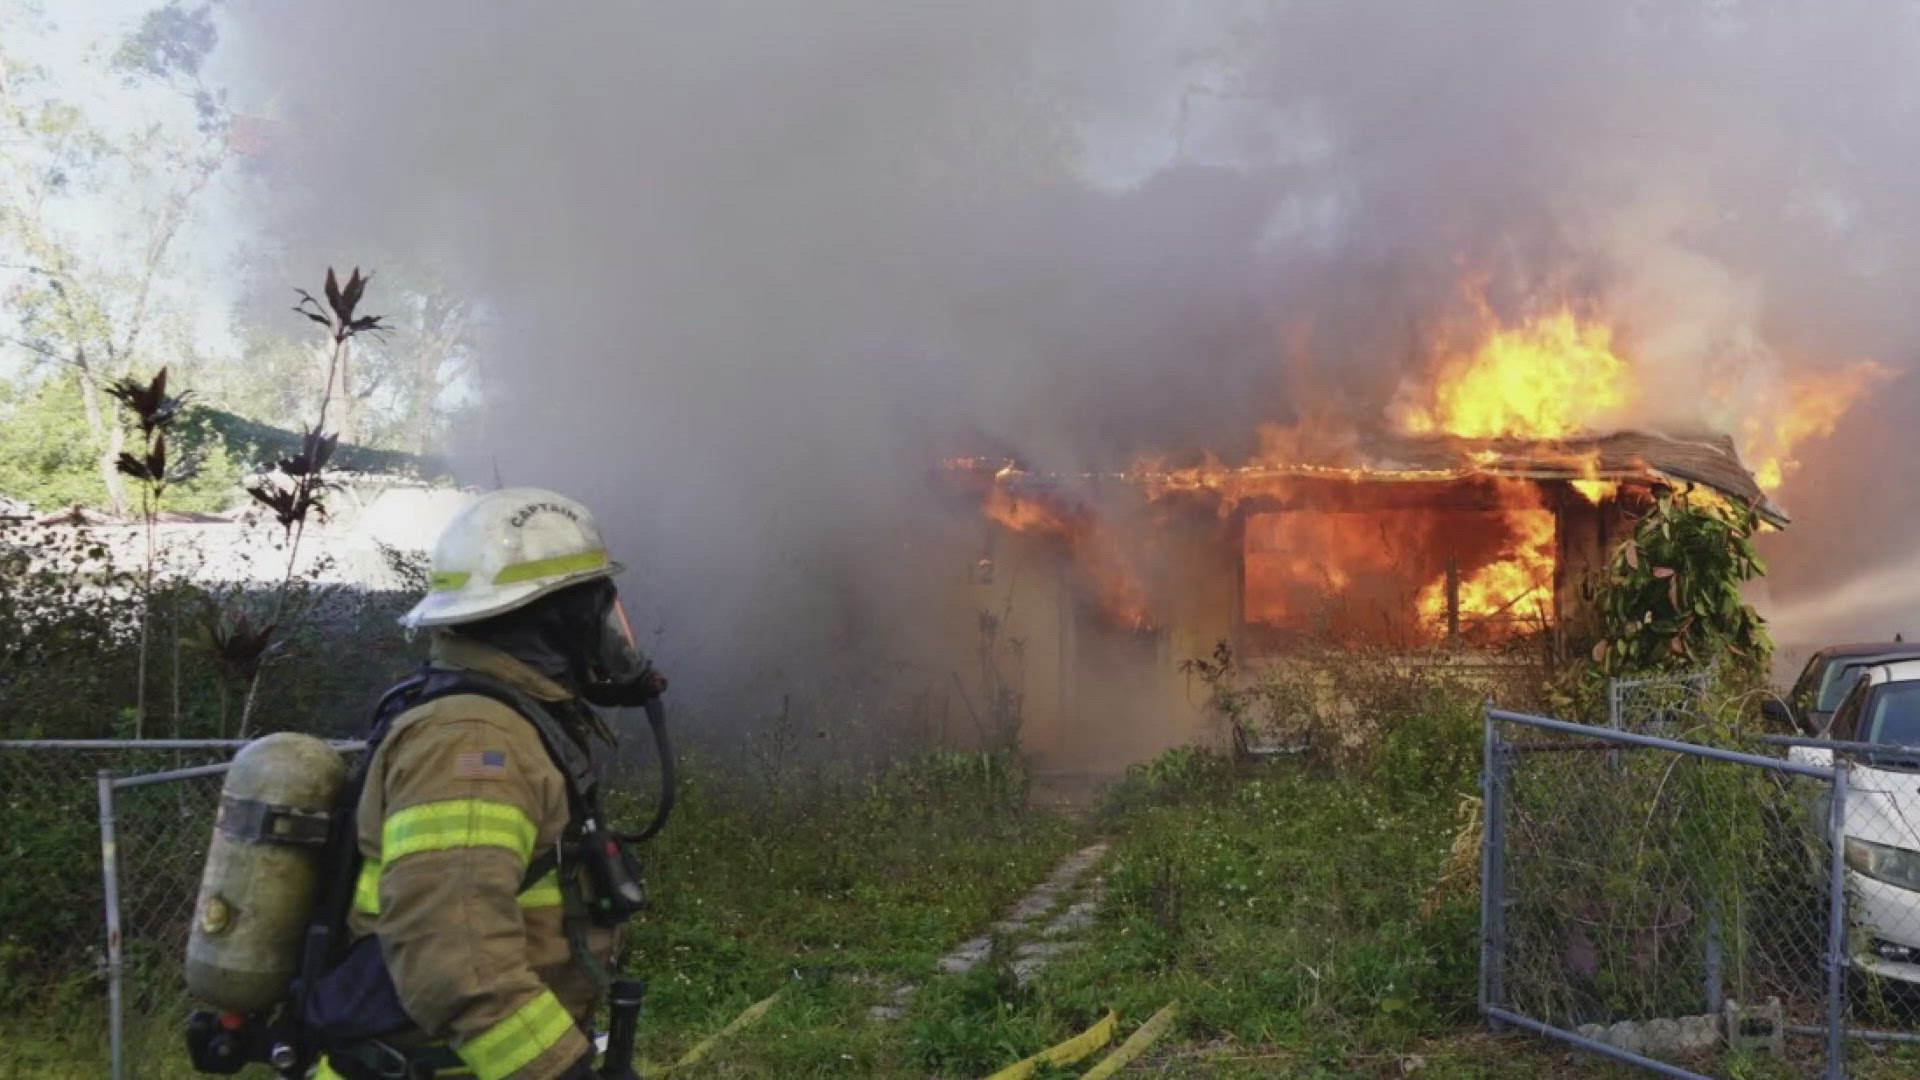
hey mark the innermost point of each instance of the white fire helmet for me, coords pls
(506, 549)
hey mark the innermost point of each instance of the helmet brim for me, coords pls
(458, 606)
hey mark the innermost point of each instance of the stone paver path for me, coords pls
(1073, 905)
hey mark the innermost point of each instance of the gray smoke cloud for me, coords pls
(754, 267)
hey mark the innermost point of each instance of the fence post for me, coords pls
(110, 879)
(1492, 881)
(1836, 920)
(1716, 999)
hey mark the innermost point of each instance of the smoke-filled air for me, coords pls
(755, 270)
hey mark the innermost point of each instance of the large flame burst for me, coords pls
(1555, 376)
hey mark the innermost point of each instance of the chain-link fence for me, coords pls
(1658, 704)
(53, 943)
(1670, 904)
(1880, 849)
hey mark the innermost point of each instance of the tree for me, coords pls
(47, 454)
(92, 210)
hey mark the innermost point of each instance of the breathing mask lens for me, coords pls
(622, 676)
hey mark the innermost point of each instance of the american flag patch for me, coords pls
(481, 765)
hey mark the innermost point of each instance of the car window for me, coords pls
(1802, 693)
(1895, 714)
(1846, 720)
(1834, 684)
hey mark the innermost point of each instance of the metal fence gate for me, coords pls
(1681, 906)
(1656, 704)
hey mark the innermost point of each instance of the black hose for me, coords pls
(657, 720)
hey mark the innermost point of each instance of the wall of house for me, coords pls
(1587, 535)
(1093, 696)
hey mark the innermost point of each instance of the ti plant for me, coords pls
(1669, 599)
(154, 411)
(294, 487)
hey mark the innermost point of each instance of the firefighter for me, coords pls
(465, 901)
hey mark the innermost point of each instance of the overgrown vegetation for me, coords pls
(1628, 870)
(101, 634)
(1314, 912)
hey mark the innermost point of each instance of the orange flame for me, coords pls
(1513, 587)
(1390, 572)
(1812, 408)
(1336, 535)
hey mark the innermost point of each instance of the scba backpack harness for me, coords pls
(342, 1002)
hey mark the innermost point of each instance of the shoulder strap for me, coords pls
(583, 784)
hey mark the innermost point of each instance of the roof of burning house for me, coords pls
(1708, 460)
(1626, 456)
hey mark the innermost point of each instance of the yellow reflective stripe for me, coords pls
(509, 1045)
(366, 891)
(447, 580)
(559, 564)
(543, 893)
(456, 823)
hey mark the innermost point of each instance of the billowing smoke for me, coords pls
(755, 266)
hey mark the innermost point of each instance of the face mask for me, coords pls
(618, 676)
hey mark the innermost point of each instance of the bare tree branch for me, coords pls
(35, 347)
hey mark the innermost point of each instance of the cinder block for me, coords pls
(1756, 1027)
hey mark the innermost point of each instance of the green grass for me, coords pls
(837, 897)
(1290, 908)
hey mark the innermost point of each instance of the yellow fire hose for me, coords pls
(1136, 1043)
(1065, 1053)
(700, 1049)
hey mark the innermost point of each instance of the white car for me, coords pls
(1883, 816)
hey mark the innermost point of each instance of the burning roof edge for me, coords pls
(1708, 460)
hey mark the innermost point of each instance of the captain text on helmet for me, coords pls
(489, 888)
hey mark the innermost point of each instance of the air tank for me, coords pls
(262, 873)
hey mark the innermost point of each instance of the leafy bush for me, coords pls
(1670, 599)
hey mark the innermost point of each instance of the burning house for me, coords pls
(1464, 529)
(1474, 550)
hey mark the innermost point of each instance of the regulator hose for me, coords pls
(657, 720)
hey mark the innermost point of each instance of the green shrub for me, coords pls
(1433, 747)
(1670, 597)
